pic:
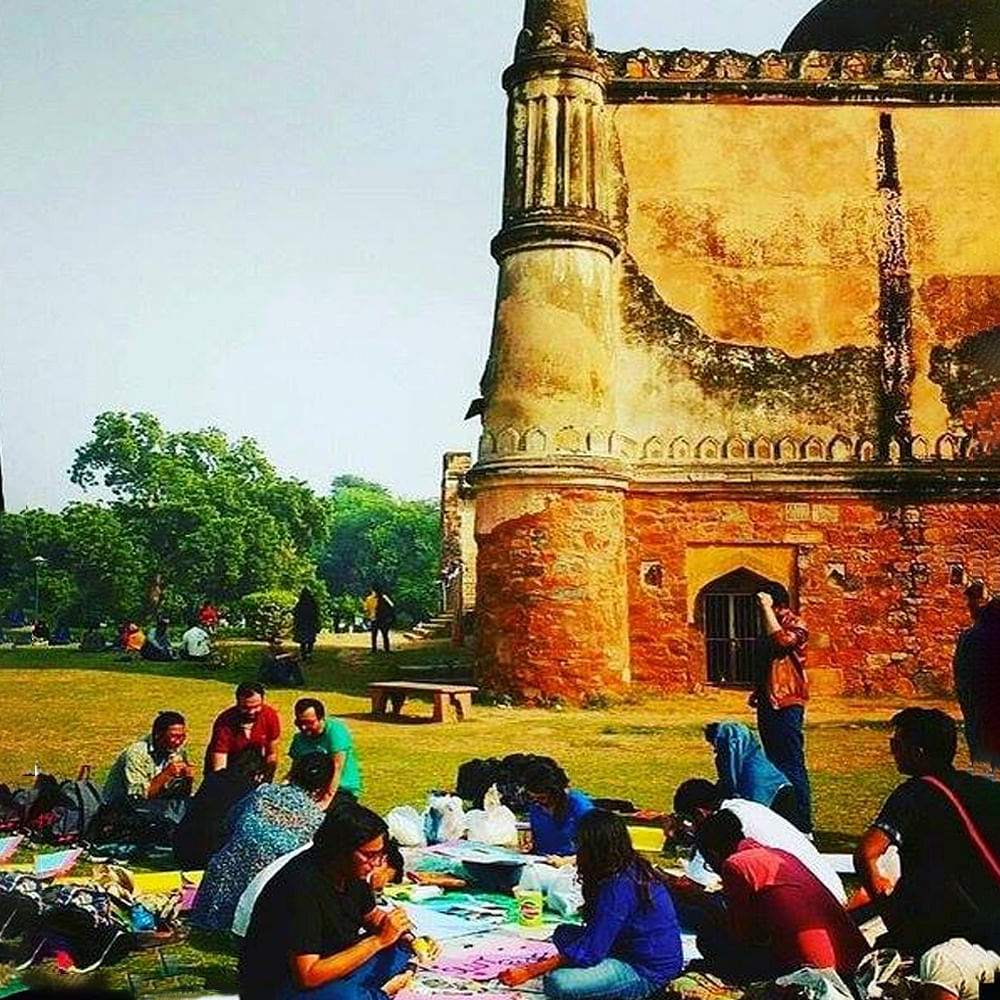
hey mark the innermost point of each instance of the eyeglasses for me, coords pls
(372, 858)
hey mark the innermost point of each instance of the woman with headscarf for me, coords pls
(746, 773)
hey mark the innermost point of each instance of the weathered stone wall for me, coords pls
(757, 241)
(880, 585)
(551, 611)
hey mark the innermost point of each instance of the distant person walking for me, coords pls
(781, 693)
(305, 618)
(383, 618)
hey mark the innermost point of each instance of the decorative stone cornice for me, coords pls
(556, 229)
(963, 76)
(841, 450)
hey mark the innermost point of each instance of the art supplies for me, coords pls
(485, 960)
(9, 846)
(57, 863)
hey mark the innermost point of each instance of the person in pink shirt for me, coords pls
(778, 916)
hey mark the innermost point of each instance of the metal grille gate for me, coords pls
(732, 631)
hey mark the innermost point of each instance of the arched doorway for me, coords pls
(729, 617)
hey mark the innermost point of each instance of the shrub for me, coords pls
(268, 611)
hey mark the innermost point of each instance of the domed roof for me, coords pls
(876, 25)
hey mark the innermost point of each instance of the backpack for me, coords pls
(91, 925)
(65, 814)
(10, 811)
(22, 899)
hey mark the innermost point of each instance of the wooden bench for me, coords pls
(459, 695)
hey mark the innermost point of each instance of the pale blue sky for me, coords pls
(273, 217)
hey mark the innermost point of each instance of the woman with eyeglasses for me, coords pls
(555, 810)
(316, 933)
(267, 823)
(629, 946)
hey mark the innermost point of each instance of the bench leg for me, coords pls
(397, 703)
(463, 705)
(440, 707)
(379, 699)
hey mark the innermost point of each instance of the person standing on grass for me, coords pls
(319, 733)
(976, 598)
(629, 946)
(248, 723)
(305, 616)
(781, 692)
(382, 619)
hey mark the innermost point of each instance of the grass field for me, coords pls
(61, 708)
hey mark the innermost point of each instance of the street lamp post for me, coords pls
(38, 562)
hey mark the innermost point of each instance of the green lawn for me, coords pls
(61, 708)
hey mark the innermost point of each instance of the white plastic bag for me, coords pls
(444, 818)
(563, 893)
(494, 823)
(406, 826)
(817, 984)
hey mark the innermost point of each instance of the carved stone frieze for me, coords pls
(931, 64)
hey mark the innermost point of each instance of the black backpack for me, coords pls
(11, 816)
(63, 814)
(22, 899)
(90, 924)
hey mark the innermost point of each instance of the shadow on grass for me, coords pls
(346, 670)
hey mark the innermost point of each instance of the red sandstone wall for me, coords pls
(550, 600)
(889, 626)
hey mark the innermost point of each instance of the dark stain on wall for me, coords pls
(967, 372)
(839, 387)
(895, 308)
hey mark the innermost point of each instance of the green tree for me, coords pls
(213, 517)
(377, 537)
(93, 567)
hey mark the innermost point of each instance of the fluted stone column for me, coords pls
(551, 600)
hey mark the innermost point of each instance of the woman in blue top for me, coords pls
(746, 773)
(555, 809)
(629, 946)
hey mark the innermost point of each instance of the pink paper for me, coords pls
(485, 961)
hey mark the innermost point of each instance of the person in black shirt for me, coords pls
(949, 887)
(315, 932)
(203, 829)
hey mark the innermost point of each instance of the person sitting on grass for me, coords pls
(203, 830)
(319, 733)
(269, 822)
(152, 776)
(195, 644)
(745, 773)
(157, 646)
(946, 825)
(556, 809)
(315, 932)
(629, 946)
(778, 917)
(279, 667)
(248, 723)
(697, 799)
(92, 640)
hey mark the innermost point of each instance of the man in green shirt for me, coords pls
(318, 734)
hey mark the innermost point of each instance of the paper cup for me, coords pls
(529, 907)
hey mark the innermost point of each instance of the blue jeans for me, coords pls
(611, 979)
(784, 743)
(364, 983)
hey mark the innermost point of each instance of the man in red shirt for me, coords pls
(248, 723)
(778, 916)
